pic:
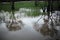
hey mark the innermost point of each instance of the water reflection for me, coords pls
(46, 30)
(14, 25)
(27, 32)
(40, 31)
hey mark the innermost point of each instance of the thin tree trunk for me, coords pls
(48, 9)
(12, 3)
(36, 2)
(0, 5)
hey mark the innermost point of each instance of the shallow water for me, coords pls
(26, 33)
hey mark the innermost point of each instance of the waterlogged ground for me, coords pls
(27, 32)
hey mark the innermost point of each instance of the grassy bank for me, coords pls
(24, 4)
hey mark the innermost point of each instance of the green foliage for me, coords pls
(6, 6)
(42, 4)
(24, 4)
(34, 13)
